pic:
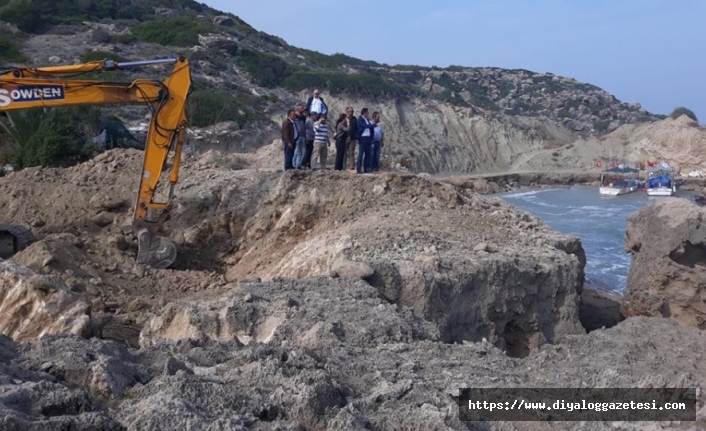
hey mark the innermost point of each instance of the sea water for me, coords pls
(598, 220)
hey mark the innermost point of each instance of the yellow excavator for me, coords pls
(25, 88)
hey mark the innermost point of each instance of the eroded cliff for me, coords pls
(668, 271)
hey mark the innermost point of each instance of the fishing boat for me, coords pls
(619, 181)
(660, 181)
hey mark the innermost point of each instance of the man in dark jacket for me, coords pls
(300, 142)
(352, 138)
(316, 104)
(289, 139)
(365, 140)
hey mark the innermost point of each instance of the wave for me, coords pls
(514, 195)
(614, 269)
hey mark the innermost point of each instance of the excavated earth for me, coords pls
(299, 301)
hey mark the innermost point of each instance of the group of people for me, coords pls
(307, 133)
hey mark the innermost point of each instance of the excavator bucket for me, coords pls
(154, 251)
(14, 238)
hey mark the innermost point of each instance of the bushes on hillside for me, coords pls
(35, 16)
(678, 112)
(178, 31)
(9, 50)
(207, 107)
(24, 14)
(267, 70)
(45, 137)
(365, 84)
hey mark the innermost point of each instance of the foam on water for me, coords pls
(598, 220)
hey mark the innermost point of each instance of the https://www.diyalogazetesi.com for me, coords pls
(578, 404)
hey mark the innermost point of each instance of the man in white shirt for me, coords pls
(316, 104)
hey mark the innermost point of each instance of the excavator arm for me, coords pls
(26, 88)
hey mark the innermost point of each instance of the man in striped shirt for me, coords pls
(321, 143)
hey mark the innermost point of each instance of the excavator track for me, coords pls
(14, 238)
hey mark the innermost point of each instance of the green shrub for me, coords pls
(207, 107)
(178, 31)
(450, 97)
(272, 97)
(366, 84)
(267, 70)
(24, 14)
(125, 39)
(45, 137)
(101, 55)
(601, 125)
(678, 112)
(35, 16)
(445, 80)
(9, 50)
(410, 68)
(334, 61)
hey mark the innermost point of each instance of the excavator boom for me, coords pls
(26, 88)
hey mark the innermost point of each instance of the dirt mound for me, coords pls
(668, 271)
(426, 244)
(477, 267)
(82, 216)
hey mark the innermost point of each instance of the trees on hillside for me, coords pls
(678, 112)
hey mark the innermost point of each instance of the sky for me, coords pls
(642, 51)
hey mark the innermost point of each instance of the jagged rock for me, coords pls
(668, 271)
(165, 12)
(32, 305)
(105, 202)
(348, 268)
(599, 309)
(482, 186)
(223, 20)
(459, 182)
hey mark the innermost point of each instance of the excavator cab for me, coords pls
(26, 88)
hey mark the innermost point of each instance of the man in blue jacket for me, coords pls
(376, 145)
(365, 140)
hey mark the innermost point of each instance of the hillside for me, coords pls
(452, 119)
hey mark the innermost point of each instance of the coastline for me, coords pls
(491, 183)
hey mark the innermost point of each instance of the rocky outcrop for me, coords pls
(305, 314)
(32, 305)
(476, 267)
(668, 271)
(348, 373)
